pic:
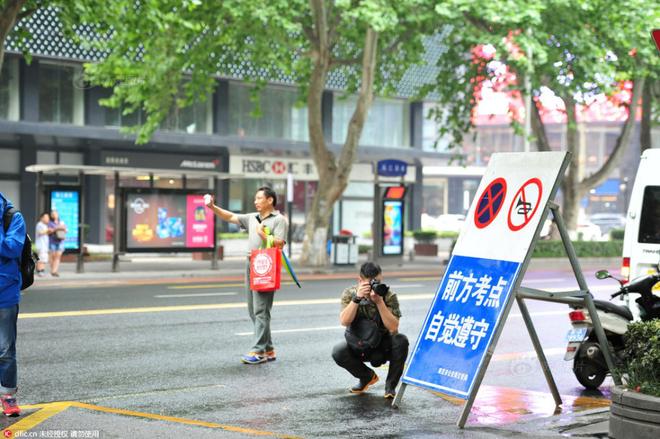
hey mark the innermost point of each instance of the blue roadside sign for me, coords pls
(476, 292)
(460, 324)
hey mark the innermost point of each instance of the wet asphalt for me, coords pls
(173, 361)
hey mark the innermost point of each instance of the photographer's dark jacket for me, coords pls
(369, 310)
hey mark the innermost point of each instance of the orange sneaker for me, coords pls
(10, 406)
(270, 355)
(362, 386)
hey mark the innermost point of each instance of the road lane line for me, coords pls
(173, 296)
(549, 352)
(28, 423)
(213, 306)
(284, 331)
(207, 286)
(249, 431)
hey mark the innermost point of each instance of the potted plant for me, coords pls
(635, 410)
(425, 244)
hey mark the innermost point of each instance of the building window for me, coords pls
(60, 101)
(431, 140)
(9, 109)
(195, 118)
(281, 117)
(115, 118)
(387, 124)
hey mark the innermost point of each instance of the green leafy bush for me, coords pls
(584, 249)
(448, 234)
(364, 249)
(617, 234)
(641, 368)
(426, 236)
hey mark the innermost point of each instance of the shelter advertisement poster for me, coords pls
(393, 227)
(67, 204)
(199, 223)
(167, 221)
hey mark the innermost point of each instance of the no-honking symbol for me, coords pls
(525, 204)
(490, 203)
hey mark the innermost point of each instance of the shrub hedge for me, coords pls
(584, 249)
(642, 357)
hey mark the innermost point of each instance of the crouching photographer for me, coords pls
(370, 312)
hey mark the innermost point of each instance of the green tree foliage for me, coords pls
(581, 48)
(163, 54)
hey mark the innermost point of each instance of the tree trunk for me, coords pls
(8, 16)
(645, 126)
(333, 175)
(574, 187)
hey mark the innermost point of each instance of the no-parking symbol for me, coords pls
(490, 202)
(525, 204)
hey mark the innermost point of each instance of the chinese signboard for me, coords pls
(478, 285)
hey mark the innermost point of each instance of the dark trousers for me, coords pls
(393, 348)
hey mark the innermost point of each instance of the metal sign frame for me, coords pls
(580, 297)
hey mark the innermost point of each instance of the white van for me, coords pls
(641, 241)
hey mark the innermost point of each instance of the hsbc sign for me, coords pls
(302, 169)
(257, 167)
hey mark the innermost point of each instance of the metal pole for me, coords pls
(80, 265)
(399, 396)
(539, 350)
(588, 299)
(115, 236)
(289, 210)
(214, 258)
(528, 95)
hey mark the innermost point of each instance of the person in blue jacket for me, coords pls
(11, 247)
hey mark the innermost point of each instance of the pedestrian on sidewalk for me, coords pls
(11, 248)
(41, 242)
(56, 237)
(258, 223)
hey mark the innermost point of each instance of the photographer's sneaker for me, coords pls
(270, 355)
(362, 386)
(254, 358)
(10, 406)
(389, 394)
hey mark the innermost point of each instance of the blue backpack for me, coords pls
(28, 261)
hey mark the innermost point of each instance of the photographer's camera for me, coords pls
(379, 288)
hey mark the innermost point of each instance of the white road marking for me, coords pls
(174, 296)
(508, 356)
(283, 331)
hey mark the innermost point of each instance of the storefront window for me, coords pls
(60, 100)
(9, 90)
(280, 117)
(387, 125)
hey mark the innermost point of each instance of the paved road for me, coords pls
(173, 349)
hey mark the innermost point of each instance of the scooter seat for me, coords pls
(606, 306)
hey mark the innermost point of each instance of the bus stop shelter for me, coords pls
(116, 172)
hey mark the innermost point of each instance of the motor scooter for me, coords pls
(583, 348)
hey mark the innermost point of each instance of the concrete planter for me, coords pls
(634, 415)
(426, 249)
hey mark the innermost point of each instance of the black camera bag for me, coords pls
(364, 334)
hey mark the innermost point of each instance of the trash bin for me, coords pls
(344, 250)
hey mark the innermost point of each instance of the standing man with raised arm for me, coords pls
(266, 220)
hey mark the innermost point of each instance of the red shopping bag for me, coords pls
(265, 269)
